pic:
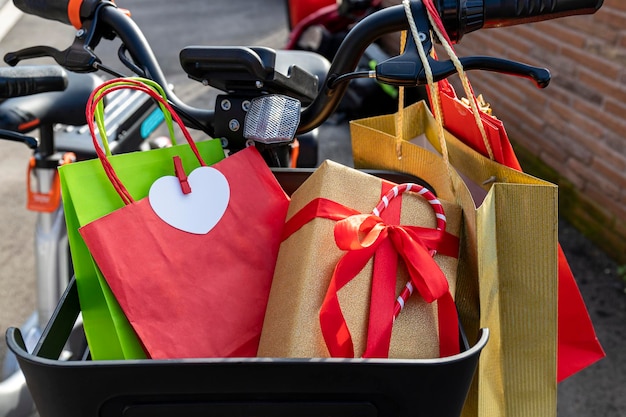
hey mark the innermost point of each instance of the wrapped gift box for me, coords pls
(308, 257)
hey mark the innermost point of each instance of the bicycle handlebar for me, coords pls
(31, 80)
(48, 9)
(139, 48)
(65, 11)
(459, 17)
(514, 12)
(465, 16)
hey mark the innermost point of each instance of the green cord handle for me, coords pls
(99, 112)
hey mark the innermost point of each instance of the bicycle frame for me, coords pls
(131, 120)
(52, 272)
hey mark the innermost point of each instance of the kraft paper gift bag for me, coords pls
(329, 298)
(507, 265)
(578, 345)
(507, 277)
(88, 195)
(202, 247)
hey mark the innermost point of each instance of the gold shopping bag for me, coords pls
(507, 276)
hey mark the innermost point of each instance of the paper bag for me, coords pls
(88, 195)
(194, 278)
(507, 276)
(578, 345)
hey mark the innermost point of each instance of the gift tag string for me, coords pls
(440, 32)
(400, 115)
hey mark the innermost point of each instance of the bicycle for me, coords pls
(51, 100)
(320, 104)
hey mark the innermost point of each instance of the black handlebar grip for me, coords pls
(48, 9)
(24, 81)
(70, 12)
(464, 16)
(513, 12)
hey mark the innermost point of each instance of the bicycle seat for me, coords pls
(23, 114)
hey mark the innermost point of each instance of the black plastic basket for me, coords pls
(250, 387)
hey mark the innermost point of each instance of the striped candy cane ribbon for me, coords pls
(441, 225)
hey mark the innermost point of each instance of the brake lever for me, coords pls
(407, 69)
(78, 57)
(443, 69)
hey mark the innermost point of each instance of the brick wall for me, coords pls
(574, 131)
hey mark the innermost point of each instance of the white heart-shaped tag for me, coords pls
(197, 212)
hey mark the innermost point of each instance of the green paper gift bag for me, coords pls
(88, 195)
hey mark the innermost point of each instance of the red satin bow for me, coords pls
(361, 235)
(413, 243)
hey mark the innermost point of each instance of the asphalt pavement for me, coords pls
(598, 391)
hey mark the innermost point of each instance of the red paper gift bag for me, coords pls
(459, 120)
(191, 264)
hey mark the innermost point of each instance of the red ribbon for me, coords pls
(383, 292)
(362, 236)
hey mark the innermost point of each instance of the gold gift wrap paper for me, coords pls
(305, 265)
